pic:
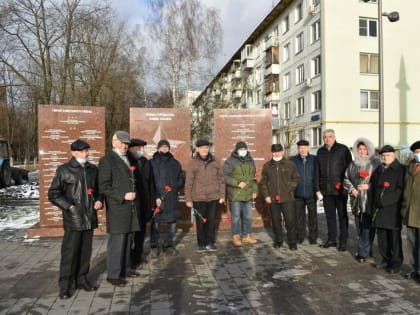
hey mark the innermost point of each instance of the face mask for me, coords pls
(277, 158)
(81, 161)
(139, 154)
(417, 157)
(242, 153)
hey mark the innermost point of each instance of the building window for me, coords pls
(369, 99)
(300, 106)
(285, 24)
(286, 81)
(272, 84)
(369, 63)
(315, 31)
(299, 43)
(286, 113)
(301, 134)
(300, 74)
(316, 101)
(316, 66)
(259, 97)
(286, 52)
(368, 27)
(298, 12)
(316, 137)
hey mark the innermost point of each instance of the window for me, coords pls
(369, 63)
(286, 52)
(316, 137)
(259, 97)
(271, 56)
(316, 101)
(316, 66)
(300, 74)
(368, 27)
(300, 106)
(301, 134)
(298, 12)
(285, 24)
(369, 99)
(272, 84)
(286, 81)
(315, 31)
(286, 110)
(299, 43)
(258, 76)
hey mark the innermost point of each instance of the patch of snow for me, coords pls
(290, 273)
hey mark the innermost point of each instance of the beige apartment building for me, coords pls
(315, 63)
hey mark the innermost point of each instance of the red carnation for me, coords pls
(386, 184)
(338, 185)
(363, 174)
(277, 198)
(132, 168)
(157, 210)
(90, 191)
(204, 220)
(168, 188)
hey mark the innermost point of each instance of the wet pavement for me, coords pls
(253, 279)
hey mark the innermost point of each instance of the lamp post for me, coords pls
(392, 17)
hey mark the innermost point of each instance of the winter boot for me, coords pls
(236, 240)
(249, 239)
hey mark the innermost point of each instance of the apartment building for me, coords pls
(315, 63)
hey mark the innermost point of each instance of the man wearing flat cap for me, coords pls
(204, 190)
(74, 189)
(117, 181)
(145, 193)
(306, 192)
(411, 212)
(279, 180)
(384, 206)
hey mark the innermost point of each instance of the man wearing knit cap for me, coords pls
(411, 212)
(74, 190)
(279, 179)
(239, 172)
(168, 180)
(384, 205)
(117, 181)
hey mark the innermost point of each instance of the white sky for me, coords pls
(238, 17)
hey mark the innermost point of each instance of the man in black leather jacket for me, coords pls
(74, 190)
(333, 159)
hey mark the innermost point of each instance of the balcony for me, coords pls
(272, 97)
(272, 69)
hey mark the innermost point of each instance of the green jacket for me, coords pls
(410, 210)
(240, 169)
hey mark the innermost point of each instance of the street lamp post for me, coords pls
(392, 17)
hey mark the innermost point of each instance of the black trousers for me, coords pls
(76, 250)
(413, 248)
(287, 209)
(390, 247)
(119, 255)
(206, 232)
(301, 206)
(138, 240)
(336, 205)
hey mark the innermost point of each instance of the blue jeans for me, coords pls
(155, 234)
(238, 208)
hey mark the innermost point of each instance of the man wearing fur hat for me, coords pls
(356, 182)
(411, 212)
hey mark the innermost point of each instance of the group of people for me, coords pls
(137, 189)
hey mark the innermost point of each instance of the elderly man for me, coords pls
(278, 182)
(333, 159)
(384, 205)
(117, 181)
(411, 212)
(74, 190)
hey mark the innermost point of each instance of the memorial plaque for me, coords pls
(253, 126)
(172, 124)
(58, 127)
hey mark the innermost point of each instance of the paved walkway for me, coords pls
(254, 279)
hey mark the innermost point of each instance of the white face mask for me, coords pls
(277, 158)
(417, 157)
(242, 153)
(82, 161)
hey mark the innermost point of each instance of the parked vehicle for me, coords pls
(8, 173)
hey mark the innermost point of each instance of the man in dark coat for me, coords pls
(117, 181)
(333, 159)
(169, 179)
(305, 193)
(74, 189)
(279, 179)
(145, 195)
(384, 205)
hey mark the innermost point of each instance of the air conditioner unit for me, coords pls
(308, 82)
(313, 9)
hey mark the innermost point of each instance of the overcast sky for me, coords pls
(239, 19)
